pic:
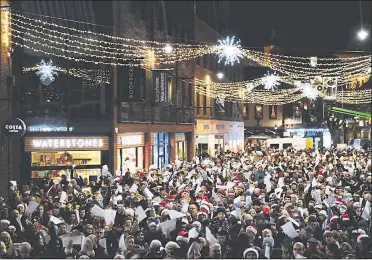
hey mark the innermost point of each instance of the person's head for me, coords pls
(128, 224)
(40, 210)
(62, 229)
(155, 246)
(153, 227)
(193, 209)
(332, 251)
(250, 253)
(298, 249)
(100, 233)
(221, 213)
(251, 232)
(130, 242)
(89, 229)
(329, 238)
(221, 237)
(171, 249)
(215, 251)
(140, 236)
(287, 199)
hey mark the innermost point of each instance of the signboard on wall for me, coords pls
(162, 83)
(91, 143)
(131, 82)
(14, 127)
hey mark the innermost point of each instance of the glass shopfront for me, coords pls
(181, 146)
(130, 151)
(160, 150)
(50, 157)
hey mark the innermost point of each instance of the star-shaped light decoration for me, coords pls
(309, 91)
(229, 50)
(46, 72)
(270, 81)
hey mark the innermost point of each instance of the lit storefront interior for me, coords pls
(215, 136)
(130, 151)
(160, 156)
(181, 146)
(50, 157)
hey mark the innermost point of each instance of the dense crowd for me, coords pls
(263, 203)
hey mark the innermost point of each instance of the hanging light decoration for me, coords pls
(229, 50)
(309, 91)
(46, 72)
(270, 81)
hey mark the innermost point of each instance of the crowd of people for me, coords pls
(261, 204)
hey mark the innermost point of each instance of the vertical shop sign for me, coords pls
(131, 83)
(163, 86)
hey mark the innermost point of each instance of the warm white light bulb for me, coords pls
(362, 34)
(168, 49)
(220, 75)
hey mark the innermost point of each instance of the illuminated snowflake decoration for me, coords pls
(46, 72)
(229, 50)
(309, 91)
(270, 81)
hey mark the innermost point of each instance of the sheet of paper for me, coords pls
(76, 240)
(147, 193)
(193, 233)
(102, 242)
(293, 221)
(173, 214)
(140, 213)
(55, 220)
(98, 211)
(366, 215)
(168, 226)
(289, 230)
(185, 207)
(209, 236)
(110, 215)
(238, 202)
(248, 200)
(14, 183)
(32, 207)
(63, 197)
(267, 183)
(134, 188)
(229, 185)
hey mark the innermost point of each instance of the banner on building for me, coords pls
(330, 88)
(131, 82)
(258, 112)
(162, 82)
(273, 112)
(219, 105)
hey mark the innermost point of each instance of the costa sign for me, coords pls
(14, 127)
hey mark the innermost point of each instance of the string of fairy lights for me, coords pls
(69, 43)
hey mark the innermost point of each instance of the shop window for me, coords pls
(42, 159)
(160, 150)
(131, 158)
(181, 151)
(287, 145)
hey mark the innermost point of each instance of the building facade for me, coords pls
(219, 124)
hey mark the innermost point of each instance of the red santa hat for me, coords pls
(333, 217)
(253, 229)
(345, 217)
(205, 200)
(204, 208)
(183, 236)
(360, 237)
(163, 203)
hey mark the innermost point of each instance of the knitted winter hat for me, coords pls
(171, 247)
(183, 236)
(204, 208)
(250, 250)
(253, 229)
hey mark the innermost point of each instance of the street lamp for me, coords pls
(168, 49)
(220, 75)
(362, 34)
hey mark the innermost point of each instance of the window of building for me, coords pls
(41, 159)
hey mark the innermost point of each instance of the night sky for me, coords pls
(310, 25)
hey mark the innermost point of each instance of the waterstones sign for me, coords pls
(67, 143)
(131, 83)
(162, 86)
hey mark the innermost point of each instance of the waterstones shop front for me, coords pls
(50, 157)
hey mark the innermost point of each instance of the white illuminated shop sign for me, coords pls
(131, 140)
(67, 143)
